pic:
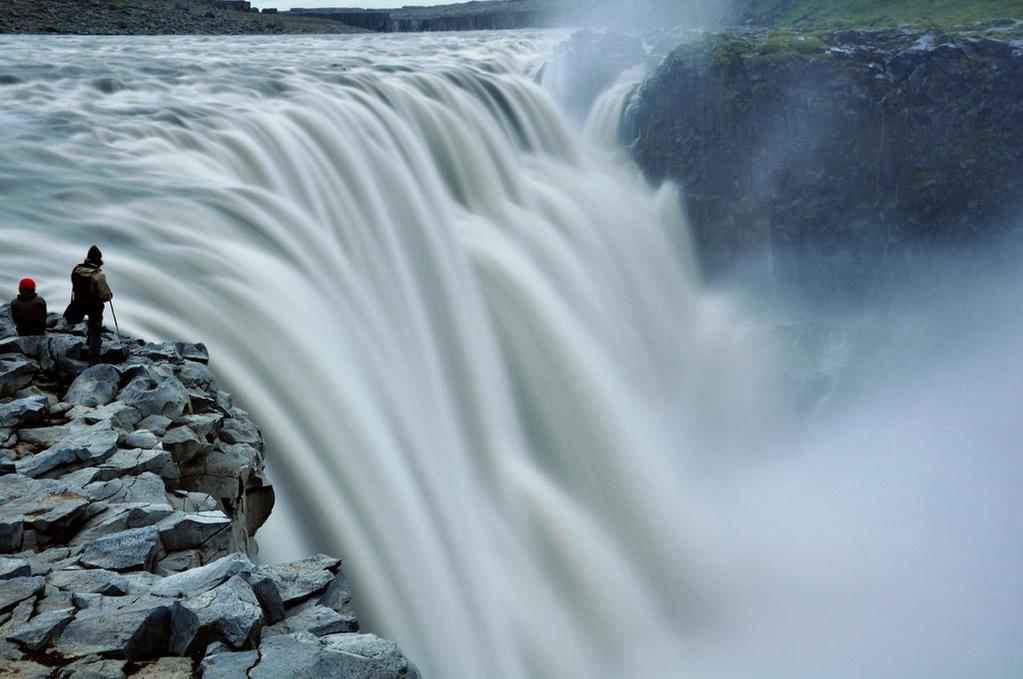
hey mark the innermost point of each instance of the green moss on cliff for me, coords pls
(880, 12)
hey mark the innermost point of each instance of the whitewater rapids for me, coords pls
(490, 380)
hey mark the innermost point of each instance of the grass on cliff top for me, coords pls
(882, 12)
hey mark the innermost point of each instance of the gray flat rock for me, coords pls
(93, 668)
(16, 590)
(121, 416)
(318, 620)
(121, 517)
(43, 505)
(132, 549)
(187, 501)
(40, 630)
(25, 669)
(134, 462)
(14, 568)
(146, 488)
(82, 449)
(299, 580)
(199, 580)
(92, 580)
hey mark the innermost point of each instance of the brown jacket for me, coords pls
(90, 285)
(29, 314)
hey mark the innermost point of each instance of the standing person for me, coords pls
(89, 292)
(29, 309)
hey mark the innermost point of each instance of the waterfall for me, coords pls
(473, 335)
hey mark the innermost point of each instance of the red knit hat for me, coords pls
(27, 285)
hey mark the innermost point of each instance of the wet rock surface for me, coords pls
(129, 495)
(826, 159)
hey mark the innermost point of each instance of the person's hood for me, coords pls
(27, 295)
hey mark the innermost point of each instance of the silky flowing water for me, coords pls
(490, 379)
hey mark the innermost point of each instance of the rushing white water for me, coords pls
(488, 377)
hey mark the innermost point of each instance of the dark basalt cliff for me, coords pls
(822, 157)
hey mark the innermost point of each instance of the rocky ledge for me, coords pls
(828, 159)
(129, 495)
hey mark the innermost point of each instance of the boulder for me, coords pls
(16, 374)
(40, 631)
(345, 656)
(183, 444)
(132, 549)
(22, 411)
(95, 387)
(184, 531)
(7, 466)
(228, 613)
(206, 426)
(269, 598)
(299, 580)
(131, 633)
(240, 431)
(156, 395)
(12, 534)
(145, 440)
(196, 376)
(155, 423)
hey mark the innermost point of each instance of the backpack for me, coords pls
(83, 297)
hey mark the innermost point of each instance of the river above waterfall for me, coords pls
(490, 377)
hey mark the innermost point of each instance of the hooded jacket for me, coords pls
(29, 313)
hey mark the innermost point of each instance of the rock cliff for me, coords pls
(129, 495)
(826, 158)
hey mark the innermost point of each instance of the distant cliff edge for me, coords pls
(824, 159)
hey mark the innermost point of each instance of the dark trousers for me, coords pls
(94, 334)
